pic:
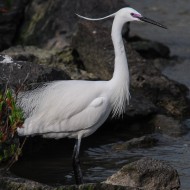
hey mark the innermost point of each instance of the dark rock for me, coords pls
(148, 174)
(169, 126)
(51, 24)
(140, 106)
(15, 73)
(149, 49)
(94, 45)
(10, 183)
(169, 96)
(141, 142)
(11, 15)
(161, 63)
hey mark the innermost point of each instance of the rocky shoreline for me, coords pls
(145, 173)
(75, 49)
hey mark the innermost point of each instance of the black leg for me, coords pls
(76, 163)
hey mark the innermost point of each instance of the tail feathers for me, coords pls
(21, 131)
(25, 131)
(30, 127)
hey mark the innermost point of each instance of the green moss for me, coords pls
(30, 28)
(65, 56)
(11, 117)
(38, 15)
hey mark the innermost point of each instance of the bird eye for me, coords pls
(135, 15)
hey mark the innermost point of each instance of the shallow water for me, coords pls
(175, 152)
(100, 160)
(52, 164)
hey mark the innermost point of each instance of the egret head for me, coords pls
(129, 14)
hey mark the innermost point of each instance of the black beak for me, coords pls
(145, 19)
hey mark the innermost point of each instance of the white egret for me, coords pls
(77, 108)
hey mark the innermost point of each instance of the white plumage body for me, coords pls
(56, 114)
(75, 109)
(51, 110)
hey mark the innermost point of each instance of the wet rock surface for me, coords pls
(149, 49)
(169, 126)
(141, 142)
(148, 174)
(140, 106)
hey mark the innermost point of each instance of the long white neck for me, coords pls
(120, 79)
